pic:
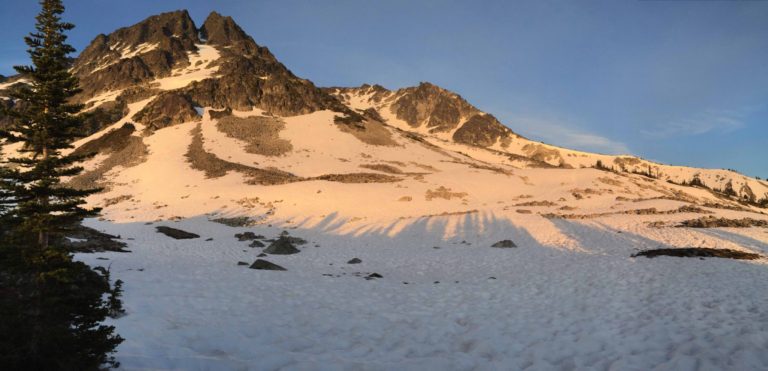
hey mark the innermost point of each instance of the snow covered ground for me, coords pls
(580, 302)
(569, 297)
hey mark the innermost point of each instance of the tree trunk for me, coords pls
(42, 238)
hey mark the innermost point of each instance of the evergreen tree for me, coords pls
(47, 127)
(51, 307)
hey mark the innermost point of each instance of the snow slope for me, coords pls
(569, 297)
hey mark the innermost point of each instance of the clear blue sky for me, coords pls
(681, 82)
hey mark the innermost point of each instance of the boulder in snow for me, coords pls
(283, 246)
(176, 233)
(265, 265)
(504, 244)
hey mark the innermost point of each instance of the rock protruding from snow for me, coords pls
(713, 222)
(431, 109)
(247, 236)
(699, 252)
(504, 244)
(262, 264)
(354, 261)
(176, 233)
(283, 246)
(167, 110)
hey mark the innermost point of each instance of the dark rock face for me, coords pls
(176, 233)
(110, 142)
(168, 109)
(103, 116)
(354, 261)
(221, 30)
(89, 240)
(435, 108)
(440, 108)
(265, 265)
(699, 252)
(100, 67)
(256, 244)
(504, 244)
(283, 246)
(262, 82)
(481, 130)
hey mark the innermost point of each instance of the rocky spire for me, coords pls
(222, 30)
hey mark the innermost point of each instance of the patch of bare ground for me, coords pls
(398, 163)
(521, 197)
(713, 222)
(699, 252)
(541, 153)
(648, 211)
(524, 211)
(716, 205)
(493, 169)
(123, 149)
(425, 167)
(383, 168)
(238, 221)
(367, 131)
(444, 193)
(116, 200)
(610, 181)
(215, 167)
(449, 213)
(536, 203)
(579, 193)
(261, 134)
(357, 178)
(405, 199)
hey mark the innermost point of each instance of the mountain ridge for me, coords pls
(164, 72)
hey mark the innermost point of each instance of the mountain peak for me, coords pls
(158, 28)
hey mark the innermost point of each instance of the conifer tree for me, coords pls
(51, 307)
(47, 127)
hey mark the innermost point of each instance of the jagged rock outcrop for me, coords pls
(168, 109)
(136, 54)
(427, 104)
(482, 130)
(429, 107)
(248, 75)
(220, 30)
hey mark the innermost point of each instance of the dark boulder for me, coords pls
(246, 236)
(283, 246)
(265, 265)
(176, 233)
(355, 261)
(504, 244)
